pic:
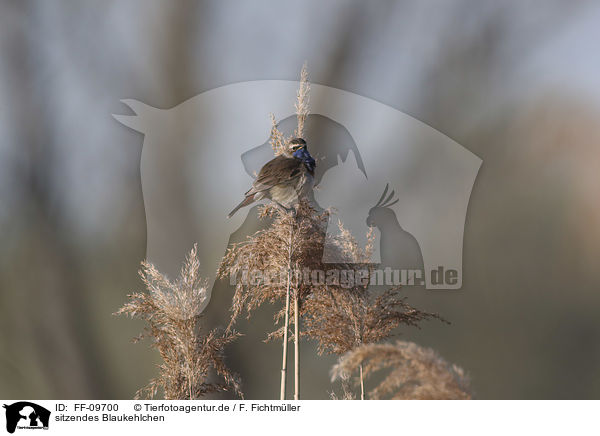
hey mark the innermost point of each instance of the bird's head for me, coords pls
(378, 213)
(299, 151)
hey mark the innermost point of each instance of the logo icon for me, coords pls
(26, 415)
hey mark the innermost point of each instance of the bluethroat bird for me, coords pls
(284, 178)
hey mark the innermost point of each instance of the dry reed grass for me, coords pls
(275, 249)
(278, 141)
(416, 373)
(189, 353)
(341, 318)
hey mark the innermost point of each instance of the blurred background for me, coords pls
(515, 82)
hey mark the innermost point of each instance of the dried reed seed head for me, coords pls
(414, 372)
(338, 317)
(189, 354)
(277, 139)
(291, 243)
(279, 143)
(341, 317)
(302, 101)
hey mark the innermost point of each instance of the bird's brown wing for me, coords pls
(278, 170)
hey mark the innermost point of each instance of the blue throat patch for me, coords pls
(306, 158)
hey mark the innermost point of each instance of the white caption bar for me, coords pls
(21, 417)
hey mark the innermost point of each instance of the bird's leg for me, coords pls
(289, 210)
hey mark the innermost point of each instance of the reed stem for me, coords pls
(286, 322)
(296, 350)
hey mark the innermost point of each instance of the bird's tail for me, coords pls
(246, 201)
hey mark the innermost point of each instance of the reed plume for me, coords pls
(189, 353)
(269, 266)
(341, 317)
(415, 372)
(302, 101)
(279, 142)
